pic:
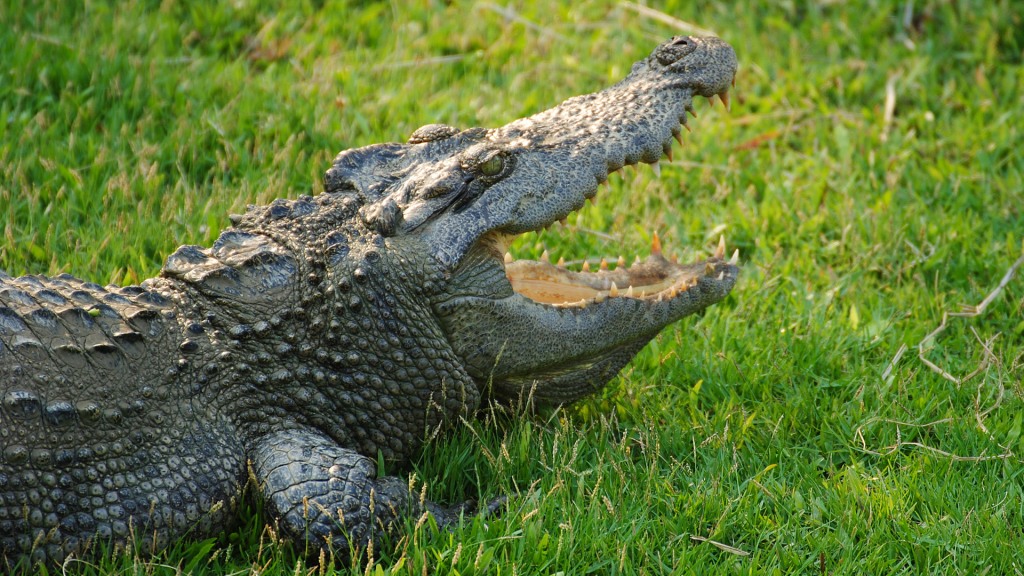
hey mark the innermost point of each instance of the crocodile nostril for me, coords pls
(673, 50)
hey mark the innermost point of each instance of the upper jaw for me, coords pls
(566, 152)
(561, 155)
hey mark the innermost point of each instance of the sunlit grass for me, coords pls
(769, 424)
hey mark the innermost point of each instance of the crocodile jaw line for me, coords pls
(656, 279)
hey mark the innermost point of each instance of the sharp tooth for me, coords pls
(604, 264)
(637, 261)
(691, 110)
(563, 221)
(709, 269)
(586, 266)
(544, 256)
(655, 245)
(629, 291)
(693, 282)
(733, 81)
(672, 292)
(735, 257)
(508, 258)
(635, 169)
(711, 101)
(679, 136)
(583, 303)
(614, 291)
(643, 293)
(622, 261)
(674, 259)
(721, 275)
(725, 100)
(660, 296)
(683, 288)
(599, 298)
(561, 262)
(657, 169)
(669, 154)
(720, 251)
(621, 173)
(687, 126)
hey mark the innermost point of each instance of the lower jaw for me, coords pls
(579, 380)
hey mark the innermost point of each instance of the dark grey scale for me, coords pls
(28, 347)
(22, 405)
(130, 342)
(149, 298)
(11, 323)
(49, 296)
(302, 207)
(144, 320)
(78, 321)
(31, 280)
(184, 259)
(102, 352)
(83, 297)
(16, 297)
(116, 298)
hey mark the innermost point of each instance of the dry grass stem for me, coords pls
(719, 545)
(672, 21)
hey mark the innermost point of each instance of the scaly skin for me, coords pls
(318, 333)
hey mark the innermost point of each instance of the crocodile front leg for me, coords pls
(325, 496)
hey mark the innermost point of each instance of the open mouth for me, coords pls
(655, 279)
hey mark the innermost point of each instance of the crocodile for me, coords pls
(319, 335)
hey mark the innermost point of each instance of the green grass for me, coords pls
(127, 129)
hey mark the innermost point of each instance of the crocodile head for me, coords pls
(459, 197)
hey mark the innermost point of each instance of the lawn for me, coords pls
(870, 173)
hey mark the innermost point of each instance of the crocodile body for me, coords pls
(319, 334)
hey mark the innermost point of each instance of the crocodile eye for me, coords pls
(493, 166)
